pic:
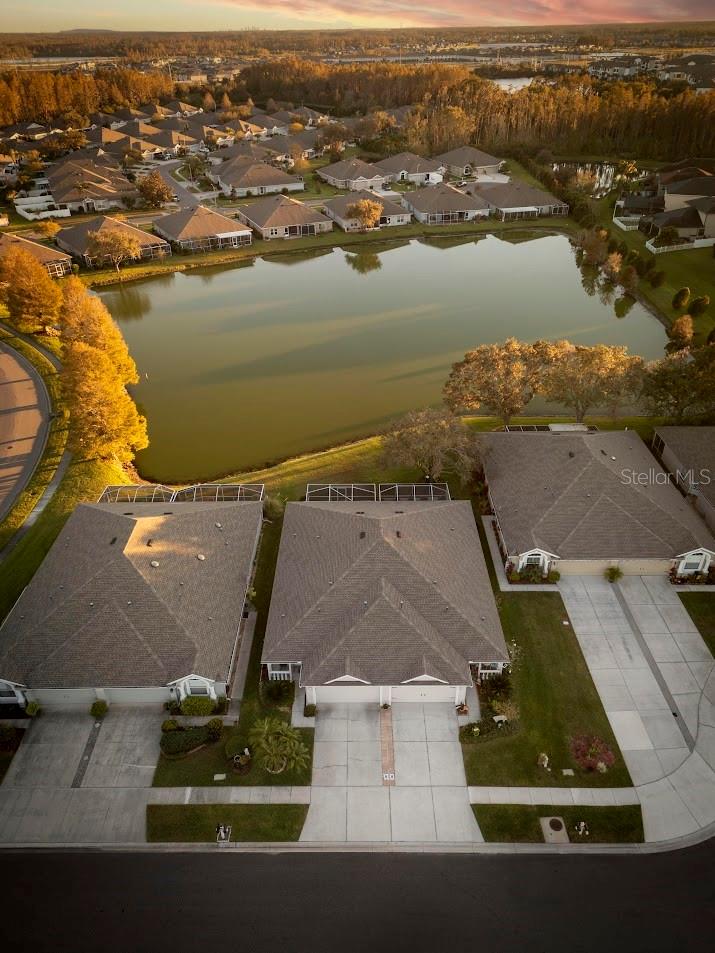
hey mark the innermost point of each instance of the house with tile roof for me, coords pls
(580, 502)
(135, 603)
(382, 602)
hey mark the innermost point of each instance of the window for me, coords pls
(534, 560)
(489, 666)
(280, 667)
(690, 565)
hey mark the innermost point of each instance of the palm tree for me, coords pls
(278, 746)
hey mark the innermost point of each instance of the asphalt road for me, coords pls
(340, 903)
(24, 421)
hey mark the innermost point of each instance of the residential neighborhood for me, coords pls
(357, 437)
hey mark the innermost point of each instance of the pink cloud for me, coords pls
(380, 13)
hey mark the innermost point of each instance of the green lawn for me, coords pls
(694, 269)
(519, 823)
(250, 823)
(701, 608)
(556, 697)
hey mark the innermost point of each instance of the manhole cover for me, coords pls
(555, 824)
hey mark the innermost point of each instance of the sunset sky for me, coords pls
(49, 15)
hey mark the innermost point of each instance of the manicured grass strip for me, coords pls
(701, 609)
(196, 823)
(556, 697)
(519, 823)
(56, 440)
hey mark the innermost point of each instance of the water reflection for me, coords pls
(364, 262)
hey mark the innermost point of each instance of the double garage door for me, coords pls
(422, 694)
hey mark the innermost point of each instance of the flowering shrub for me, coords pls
(592, 754)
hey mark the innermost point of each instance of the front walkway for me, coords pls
(351, 800)
(650, 666)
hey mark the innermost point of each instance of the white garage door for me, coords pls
(341, 694)
(424, 693)
(136, 696)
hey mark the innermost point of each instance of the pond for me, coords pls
(513, 83)
(600, 177)
(249, 364)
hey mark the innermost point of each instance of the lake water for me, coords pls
(242, 365)
(516, 82)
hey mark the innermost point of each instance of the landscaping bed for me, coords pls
(519, 823)
(196, 823)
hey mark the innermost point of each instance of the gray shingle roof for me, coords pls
(97, 613)
(408, 162)
(571, 495)
(340, 203)
(694, 447)
(351, 596)
(196, 222)
(442, 198)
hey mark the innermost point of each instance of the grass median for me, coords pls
(250, 823)
(519, 823)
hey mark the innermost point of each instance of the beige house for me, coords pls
(279, 216)
(77, 240)
(353, 174)
(444, 205)
(391, 214)
(56, 263)
(512, 200)
(382, 602)
(243, 176)
(202, 229)
(466, 161)
(408, 167)
(135, 603)
(580, 502)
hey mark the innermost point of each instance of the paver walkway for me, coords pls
(429, 798)
(655, 677)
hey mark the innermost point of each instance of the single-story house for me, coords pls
(77, 241)
(142, 147)
(519, 200)
(382, 602)
(353, 174)
(279, 216)
(303, 145)
(140, 129)
(408, 167)
(90, 184)
(468, 161)
(178, 108)
(679, 194)
(56, 263)
(392, 213)
(201, 229)
(175, 142)
(270, 125)
(687, 221)
(442, 204)
(250, 150)
(135, 603)
(580, 502)
(243, 176)
(688, 454)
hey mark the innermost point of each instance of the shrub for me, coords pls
(274, 692)
(591, 753)
(496, 687)
(506, 707)
(279, 746)
(99, 708)
(554, 575)
(197, 705)
(469, 733)
(172, 706)
(309, 711)
(514, 576)
(221, 706)
(532, 574)
(214, 727)
(613, 573)
(183, 740)
(681, 298)
(699, 306)
(657, 278)
(32, 709)
(170, 724)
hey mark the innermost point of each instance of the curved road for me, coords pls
(358, 903)
(24, 424)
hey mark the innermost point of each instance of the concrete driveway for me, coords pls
(650, 666)
(428, 799)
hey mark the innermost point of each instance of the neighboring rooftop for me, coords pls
(385, 592)
(340, 203)
(443, 198)
(410, 163)
(280, 211)
(195, 223)
(78, 238)
(42, 253)
(572, 495)
(694, 448)
(514, 195)
(123, 600)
